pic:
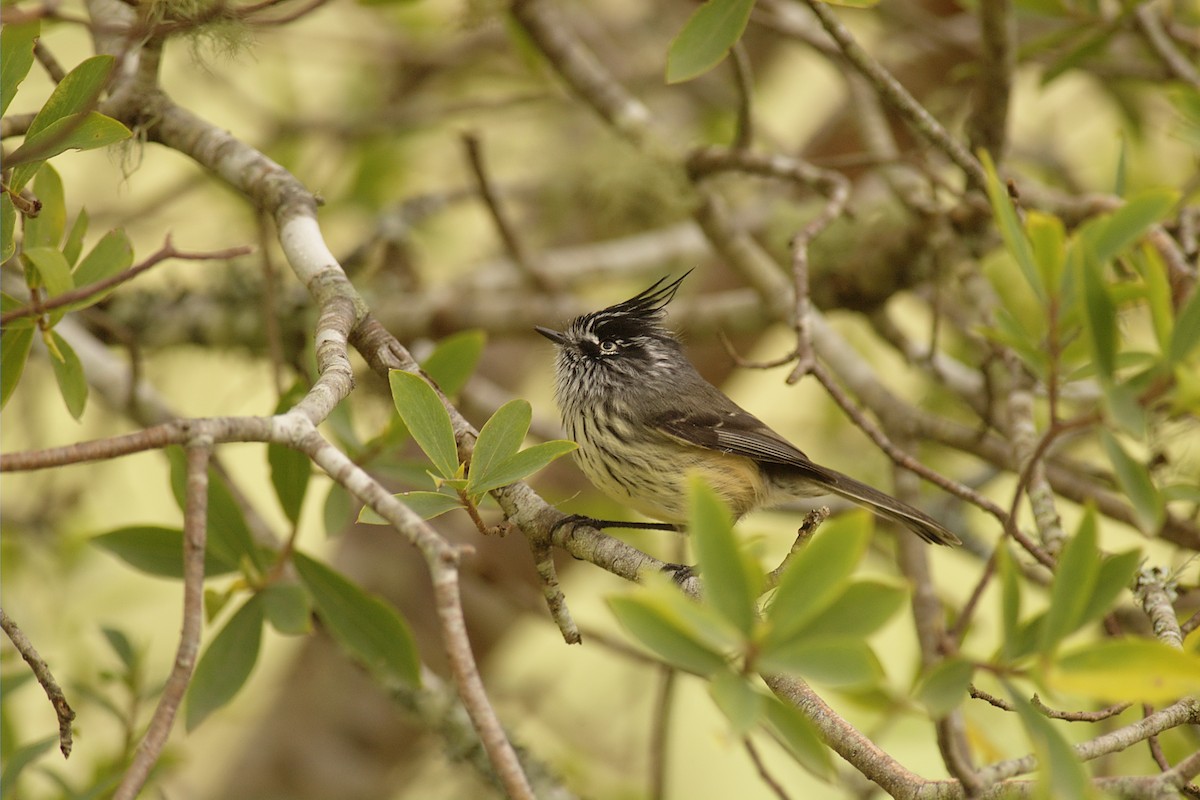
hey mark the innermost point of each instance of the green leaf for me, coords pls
(499, 439)
(1134, 479)
(369, 629)
(861, 609)
(1122, 406)
(521, 465)
(112, 254)
(834, 661)
(8, 227)
(427, 420)
(1010, 600)
(337, 512)
(1078, 568)
(78, 92)
(289, 608)
(14, 352)
(1186, 333)
(1061, 773)
(48, 227)
(794, 731)
(741, 704)
(67, 120)
(1010, 228)
(87, 131)
(1111, 235)
(816, 575)
(119, 643)
(73, 245)
(666, 633)
(454, 360)
(226, 664)
(427, 504)
(157, 551)
(1115, 576)
(228, 534)
(69, 374)
(51, 268)
(1047, 237)
(732, 582)
(290, 469)
(16, 57)
(1136, 670)
(945, 686)
(1153, 271)
(18, 758)
(1100, 313)
(706, 38)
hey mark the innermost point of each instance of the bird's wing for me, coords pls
(736, 431)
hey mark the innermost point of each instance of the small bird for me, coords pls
(644, 418)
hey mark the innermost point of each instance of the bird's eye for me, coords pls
(608, 346)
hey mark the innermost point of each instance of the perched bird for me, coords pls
(644, 418)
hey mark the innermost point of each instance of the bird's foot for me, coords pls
(575, 520)
(681, 572)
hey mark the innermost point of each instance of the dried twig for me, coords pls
(195, 526)
(42, 673)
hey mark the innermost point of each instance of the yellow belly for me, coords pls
(636, 477)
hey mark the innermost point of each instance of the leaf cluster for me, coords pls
(815, 623)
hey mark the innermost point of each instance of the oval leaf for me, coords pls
(427, 504)
(69, 374)
(16, 56)
(665, 634)
(815, 576)
(426, 418)
(706, 38)
(112, 254)
(14, 352)
(731, 582)
(226, 664)
(48, 227)
(794, 731)
(945, 686)
(289, 608)
(1134, 478)
(499, 439)
(454, 360)
(1078, 567)
(840, 661)
(367, 628)
(157, 551)
(521, 465)
(741, 704)
(1134, 670)
(860, 610)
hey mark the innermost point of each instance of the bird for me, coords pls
(644, 419)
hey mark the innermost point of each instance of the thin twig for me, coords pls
(41, 672)
(775, 786)
(513, 243)
(448, 600)
(988, 123)
(167, 251)
(897, 96)
(812, 521)
(556, 602)
(660, 731)
(744, 79)
(1150, 25)
(195, 525)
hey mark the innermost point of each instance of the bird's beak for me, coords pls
(558, 337)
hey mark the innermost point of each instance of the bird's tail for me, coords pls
(889, 507)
